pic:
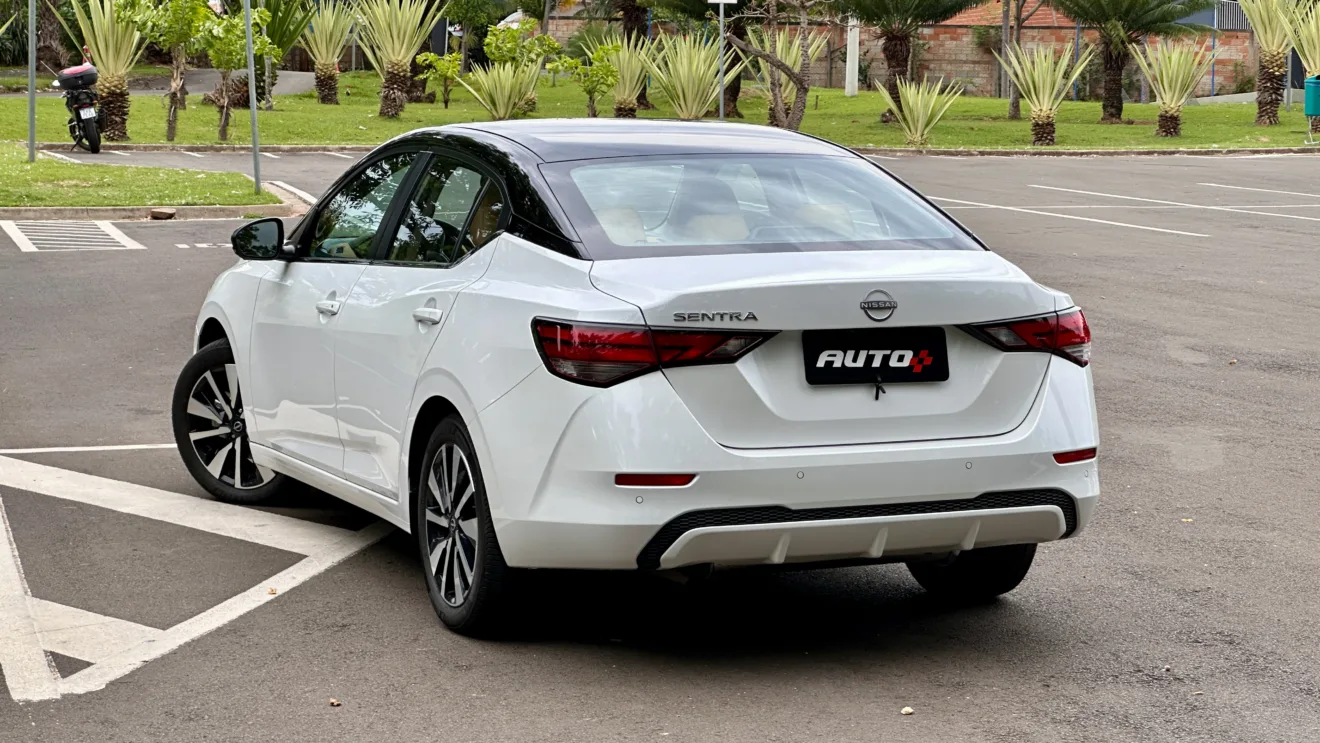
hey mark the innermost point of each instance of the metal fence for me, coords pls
(1229, 17)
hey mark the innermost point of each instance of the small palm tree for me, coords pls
(1122, 23)
(1304, 30)
(687, 70)
(392, 31)
(1043, 78)
(923, 105)
(1174, 71)
(502, 89)
(787, 46)
(1269, 24)
(630, 61)
(116, 45)
(324, 41)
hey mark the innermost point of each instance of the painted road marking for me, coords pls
(1177, 203)
(59, 236)
(338, 154)
(310, 199)
(30, 627)
(1262, 190)
(192, 154)
(63, 449)
(269, 529)
(1147, 206)
(64, 158)
(226, 246)
(273, 157)
(120, 153)
(1071, 216)
(28, 671)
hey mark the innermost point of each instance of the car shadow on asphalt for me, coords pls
(752, 614)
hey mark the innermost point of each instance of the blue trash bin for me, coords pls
(1312, 106)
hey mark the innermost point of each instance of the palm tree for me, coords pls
(1122, 23)
(1043, 78)
(898, 21)
(392, 31)
(116, 45)
(1270, 24)
(324, 41)
(920, 106)
(1305, 33)
(1174, 71)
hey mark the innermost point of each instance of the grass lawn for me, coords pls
(50, 182)
(973, 123)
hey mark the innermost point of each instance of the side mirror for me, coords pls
(262, 240)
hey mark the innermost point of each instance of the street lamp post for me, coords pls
(721, 3)
(32, 80)
(252, 95)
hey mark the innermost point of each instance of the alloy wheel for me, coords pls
(451, 524)
(218, 432)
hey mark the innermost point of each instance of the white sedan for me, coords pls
(645, 345)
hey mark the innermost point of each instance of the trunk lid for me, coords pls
(765, 401)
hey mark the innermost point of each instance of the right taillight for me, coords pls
(1064, 334)
(604, 355)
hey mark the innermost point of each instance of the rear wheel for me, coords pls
(466, 575)
(975, 575)
(91, 135)
(211, 432)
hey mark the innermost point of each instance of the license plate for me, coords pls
(887, 355)
(87, 113)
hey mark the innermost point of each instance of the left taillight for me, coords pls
(605, 355)
(1064, 333)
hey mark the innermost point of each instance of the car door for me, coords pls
(292, 348)
(398, 307)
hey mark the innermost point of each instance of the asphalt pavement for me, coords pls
(1186, 611)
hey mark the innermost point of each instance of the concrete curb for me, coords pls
(63, 148)
(362, 149)
(289, 206)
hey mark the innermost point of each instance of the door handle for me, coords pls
(328, 307)
(428, 315)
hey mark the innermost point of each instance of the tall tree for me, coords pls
(174, 25)
(773, 13)
(897, 22)
(1122, 23)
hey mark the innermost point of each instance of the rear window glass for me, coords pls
(701, 205)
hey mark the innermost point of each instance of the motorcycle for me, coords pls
(80, 99)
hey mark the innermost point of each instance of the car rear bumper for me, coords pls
(555, 504)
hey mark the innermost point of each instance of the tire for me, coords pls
(975, 576)
(211, 433)
(466, 576)
(91, 135)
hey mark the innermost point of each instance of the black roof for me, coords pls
(555, 140)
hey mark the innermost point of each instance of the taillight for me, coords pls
(604, 355)
(1079, 455)
(1064, 333)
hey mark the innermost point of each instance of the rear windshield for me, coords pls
(712, 204)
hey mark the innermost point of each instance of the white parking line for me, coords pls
(1262, 190)
(123, 239)
(120, 153)
(192, 154)
(83, 634)
(338, 154)
(272, 530)
(1177, 203)
(63, 158)
(97, 676)
(27, 669)
(1154, 206)
(310, 199)
(29, 627)
(24, 244)
(64, 449)
(273, 157)
(1072, 216)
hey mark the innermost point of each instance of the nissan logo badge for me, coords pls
(878, 305)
